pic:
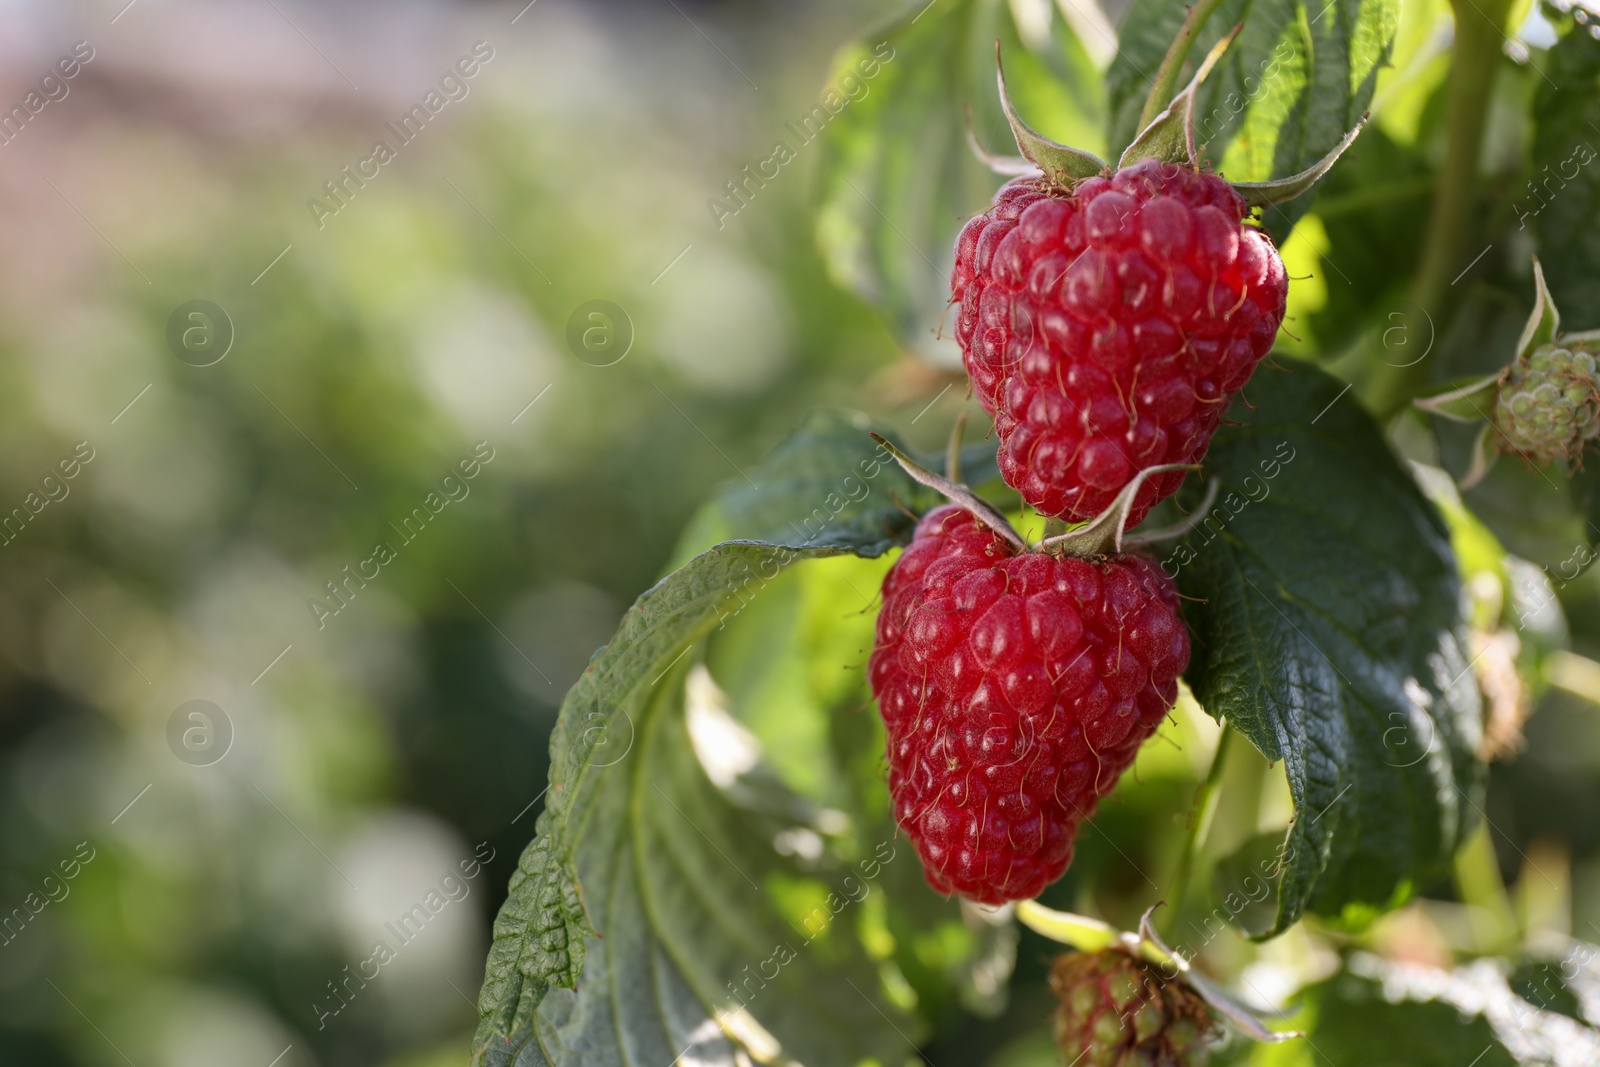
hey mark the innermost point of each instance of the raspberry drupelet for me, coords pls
(1107, 329)
(1016, 688)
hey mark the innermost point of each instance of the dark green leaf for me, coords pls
(1562, 198)
(898, 180)
(1295, 82)
(1326, 611)
(830, 486)
(659, 885)
(677, 878)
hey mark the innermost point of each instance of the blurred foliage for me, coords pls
(228, 910)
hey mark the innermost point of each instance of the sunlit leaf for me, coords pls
(1297, 80)
(898, 180)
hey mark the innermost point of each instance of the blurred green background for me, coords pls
(399, 737)
(226, 869)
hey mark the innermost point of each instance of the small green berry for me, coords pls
(1115, 1010)
(1548, 407)
(1148, 1021)
(1124, 988)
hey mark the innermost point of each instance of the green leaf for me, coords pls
(1464, 399)
(830, 486)
(1562, 198)
(1326, 611)
(1290, 88)
(897, 178)
(1544, 322)
(664, 905)
(678, 879)
(1282, 190)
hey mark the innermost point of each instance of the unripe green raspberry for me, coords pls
(1116, 1010)
(1548, 406)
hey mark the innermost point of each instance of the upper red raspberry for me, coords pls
(1016, 689)
(1107, 330)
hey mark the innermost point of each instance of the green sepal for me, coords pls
(1102, 535)
(1244, 1018)
(1062, 164)
(1585, 340)
(1008, 166)
(1545, 321)
(1093, 935)
(1076, 931)
(1170, 135)
(1483, 456)
(1462, 400)
(1265, 194)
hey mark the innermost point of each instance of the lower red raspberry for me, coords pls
(1016, 689)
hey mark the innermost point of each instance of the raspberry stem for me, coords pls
(1205, 809)
(1178, 529)
(1474, 64)
(952, 454)
(1166, 81)
(1103, 533)
(956, 494)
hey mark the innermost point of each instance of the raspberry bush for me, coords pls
(1205, 635)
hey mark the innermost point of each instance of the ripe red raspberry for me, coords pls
(1106, 330)
(1016, 688)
